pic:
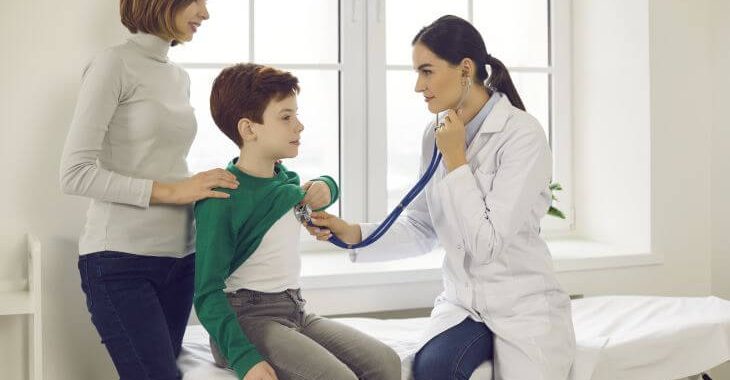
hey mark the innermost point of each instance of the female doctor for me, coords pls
(501, 299)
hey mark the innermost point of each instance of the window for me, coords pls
(518, 32)
(303, 40)
(363, 120)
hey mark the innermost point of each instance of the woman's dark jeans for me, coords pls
(140, 306)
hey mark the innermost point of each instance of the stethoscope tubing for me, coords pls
(407, 199)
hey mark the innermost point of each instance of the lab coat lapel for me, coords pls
(494, 122)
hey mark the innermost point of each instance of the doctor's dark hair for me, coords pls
(244, 91)
(452, 39)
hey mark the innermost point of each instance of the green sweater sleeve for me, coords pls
(334, 190)
(215, 247)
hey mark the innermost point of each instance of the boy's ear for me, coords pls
(246, 130)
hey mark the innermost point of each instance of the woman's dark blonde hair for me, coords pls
(153, 17)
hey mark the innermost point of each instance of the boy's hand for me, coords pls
(317, 194)
(328, 224)
(261, 371)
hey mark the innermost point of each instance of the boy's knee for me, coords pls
(385, 364)
(391, 368)
(319, 371)
(316, 368)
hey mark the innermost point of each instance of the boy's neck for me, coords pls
(255, 165)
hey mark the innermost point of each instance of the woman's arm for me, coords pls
(103, 88)
(195, 188)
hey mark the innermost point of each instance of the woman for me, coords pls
(501, 298)
(126, 149)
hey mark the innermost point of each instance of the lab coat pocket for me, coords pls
(519, 305)
(531, 308)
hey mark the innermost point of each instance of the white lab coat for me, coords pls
(497, 269)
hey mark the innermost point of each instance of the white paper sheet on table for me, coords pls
(651, 337)
(618, 337)
(402, 335)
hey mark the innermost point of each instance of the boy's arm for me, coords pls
(334, 190)
(215, 248)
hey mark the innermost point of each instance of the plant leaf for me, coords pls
(556, 213)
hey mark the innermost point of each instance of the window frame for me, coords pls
(559, 71)
(362, 108)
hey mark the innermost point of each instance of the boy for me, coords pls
(248, 266)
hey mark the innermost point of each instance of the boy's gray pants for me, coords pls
(301, 346)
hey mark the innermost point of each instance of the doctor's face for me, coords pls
(438, 80)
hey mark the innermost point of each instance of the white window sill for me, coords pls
(573, 254)
(333, 269)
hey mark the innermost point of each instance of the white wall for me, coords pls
(688, 58)
(45, 45)
(611, 116)
(50, 41)
(719, 13)
(610, 98)
(720, 16)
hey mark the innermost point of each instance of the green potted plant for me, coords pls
(553, 211)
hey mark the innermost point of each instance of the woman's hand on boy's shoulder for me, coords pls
(317, 194)
(195, 188)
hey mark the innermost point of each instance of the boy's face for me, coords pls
(279, 135)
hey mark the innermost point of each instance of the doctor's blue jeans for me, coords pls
(455, 353)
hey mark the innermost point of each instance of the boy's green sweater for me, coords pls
(228, 232)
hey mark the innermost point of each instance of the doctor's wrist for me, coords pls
(453, 163)
(353, 234)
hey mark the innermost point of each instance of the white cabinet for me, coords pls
(28, 303)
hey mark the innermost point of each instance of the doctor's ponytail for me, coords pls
(453, 39)
(501, 81)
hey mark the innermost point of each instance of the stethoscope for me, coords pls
(303, 212)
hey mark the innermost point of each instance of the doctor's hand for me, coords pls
(328, 224)
(261, 371)
(451, 140)
(317, 194)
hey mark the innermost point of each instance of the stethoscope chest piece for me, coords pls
(303, 213)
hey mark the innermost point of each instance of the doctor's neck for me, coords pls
(478, 97)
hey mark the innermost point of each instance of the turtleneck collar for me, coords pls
(152, 45)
